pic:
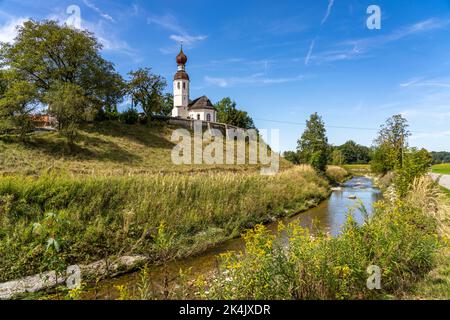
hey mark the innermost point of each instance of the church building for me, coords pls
(198, 109)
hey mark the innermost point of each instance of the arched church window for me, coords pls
(184, 85)
(178, 85)
(198, 116)
(208, 117)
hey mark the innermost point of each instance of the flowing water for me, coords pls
(329, 216)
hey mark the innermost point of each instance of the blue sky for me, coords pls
(283, 60)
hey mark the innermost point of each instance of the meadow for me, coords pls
(441, 168)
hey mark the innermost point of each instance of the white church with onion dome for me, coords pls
(197, 109)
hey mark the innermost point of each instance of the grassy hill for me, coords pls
(109, 148)
(111, 192)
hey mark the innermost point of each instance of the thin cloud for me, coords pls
(426, 83)
(359, 48)
(98, 10)
(328, 12)
(187, 39)
(417, 28)
(255, 79)
(170, 23)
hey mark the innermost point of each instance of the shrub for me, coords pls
(336, 174)
(129, 116)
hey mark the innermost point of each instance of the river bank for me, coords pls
(64, 221)
(328, 217)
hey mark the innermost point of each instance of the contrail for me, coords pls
(327, 14)
(311, 48)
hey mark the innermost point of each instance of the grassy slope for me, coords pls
(109, 148)
(110, 197)
(441, 168)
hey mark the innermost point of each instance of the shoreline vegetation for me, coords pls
(91, 218)
(407, 239)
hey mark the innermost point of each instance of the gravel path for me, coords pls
(444, 179)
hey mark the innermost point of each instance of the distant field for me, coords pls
(441, 168)
(357, 168)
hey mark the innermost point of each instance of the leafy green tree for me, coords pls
(146, 91)
(390, 145)
(228, 113)
(45, 54)
(292, 156)
(440, 157)
(67, 102)
(337, 157)
(313, 144)
(354, 153)
(167, 104)
(17, 103)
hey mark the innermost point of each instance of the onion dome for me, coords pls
(181, 57)
(181, 75)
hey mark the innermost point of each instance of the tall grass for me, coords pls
(402, 239)
(99, 216)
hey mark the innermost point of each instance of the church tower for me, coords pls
(181, 88)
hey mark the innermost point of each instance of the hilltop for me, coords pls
(105, 148)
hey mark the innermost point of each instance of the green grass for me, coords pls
(96, 217)
(441, 168)
(108, 148)
(357, 168)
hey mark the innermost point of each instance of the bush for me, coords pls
(336, 174)
(415, 164)
(130, 116)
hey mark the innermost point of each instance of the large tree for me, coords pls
(146, 91)
(45, 54)
(228, 113)
(390, 145)
(313, 145)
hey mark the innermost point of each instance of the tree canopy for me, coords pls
(313, 144)
(146, 91)
(390, 145)
(353, 153)
(45, 54)
(228, 113)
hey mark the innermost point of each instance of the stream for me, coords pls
(328, 216)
